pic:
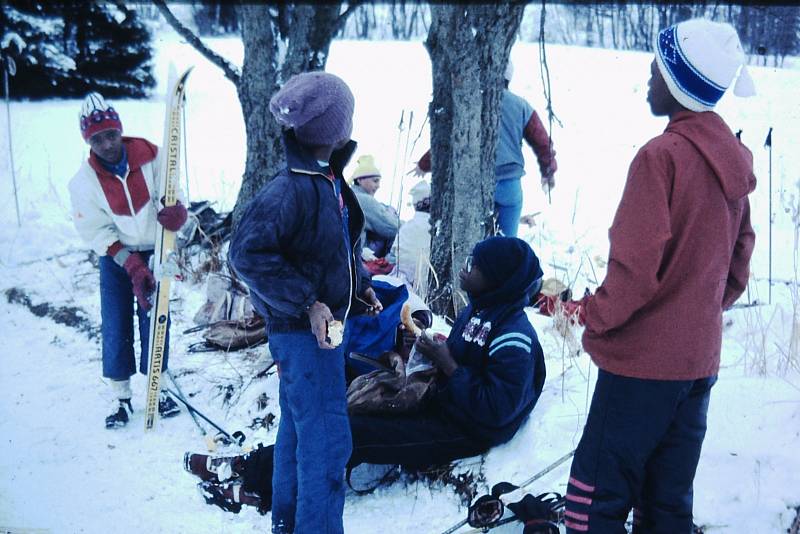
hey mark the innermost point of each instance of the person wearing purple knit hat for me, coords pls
(297, 247)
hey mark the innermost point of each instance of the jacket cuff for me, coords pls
(122, 256)
(446, 382)
(306, 305)
(114, 247)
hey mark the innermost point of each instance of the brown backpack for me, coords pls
(386, 391)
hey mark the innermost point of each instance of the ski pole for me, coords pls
(10, 67)
(528, 482)
(237, 437)
(209, 441)
(405, 160)
(549, 468)
(768, 144)
(397, 153)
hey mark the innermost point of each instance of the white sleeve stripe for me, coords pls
(510, 344)
(509, 336)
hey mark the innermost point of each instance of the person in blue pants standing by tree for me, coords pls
(518, 122)
(297, 246)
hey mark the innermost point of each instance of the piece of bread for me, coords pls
(408, 321)
(336, 332)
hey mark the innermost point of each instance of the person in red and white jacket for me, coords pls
(115, 211)
(518, 122)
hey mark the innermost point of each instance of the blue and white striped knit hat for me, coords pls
(699, 60)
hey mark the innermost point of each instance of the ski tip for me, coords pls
(173, 79)
(185, 74)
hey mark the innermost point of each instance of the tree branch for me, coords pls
(231, 71)
(342, 19)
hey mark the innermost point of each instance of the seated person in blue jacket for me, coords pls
(491, 373)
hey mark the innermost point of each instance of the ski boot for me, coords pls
(230, 496)
(121, 416)
(213, 468)
(167, 407)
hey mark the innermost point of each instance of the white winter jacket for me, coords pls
(107, 208)
(412, 248)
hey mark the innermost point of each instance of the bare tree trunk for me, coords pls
(469, 46)
(312, 30)
(309, 32)
(614, 20)
(306, 32)
(601, 25)
(258, 82)
(589, 40)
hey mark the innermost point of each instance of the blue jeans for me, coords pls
(640, 448)
(116, 311)
(313, 442)
(508, 205)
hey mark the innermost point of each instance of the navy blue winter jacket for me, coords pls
(501, 365)
(289, 246)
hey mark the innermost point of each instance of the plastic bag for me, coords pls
(417, 362)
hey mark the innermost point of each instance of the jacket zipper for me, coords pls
(124, 181)
(351, 282)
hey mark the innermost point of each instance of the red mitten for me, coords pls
(379, 266)
(547, 304)
(576, 309)
(173, 217)
(142, 279)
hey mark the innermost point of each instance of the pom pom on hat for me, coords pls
(365, 168)
(699, 60)
(318, 106)
(97, 116)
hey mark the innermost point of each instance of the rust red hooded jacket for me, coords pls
(681, 243)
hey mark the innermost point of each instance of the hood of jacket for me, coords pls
(729, 159)
(517, 286)
(298, 157)
(138, 150)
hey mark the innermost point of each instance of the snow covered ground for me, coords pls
(61, 470)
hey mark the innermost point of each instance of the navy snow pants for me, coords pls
(640, 448)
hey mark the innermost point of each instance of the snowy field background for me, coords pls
(61, 470)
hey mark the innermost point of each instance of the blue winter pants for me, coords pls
(313, 442)
(508, 205)
(116, 311)
(640, 448)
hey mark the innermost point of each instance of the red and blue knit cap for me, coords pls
(699, 59)
(97, 116)
(318, 106)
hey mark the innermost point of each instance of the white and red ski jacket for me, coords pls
(110, 211)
